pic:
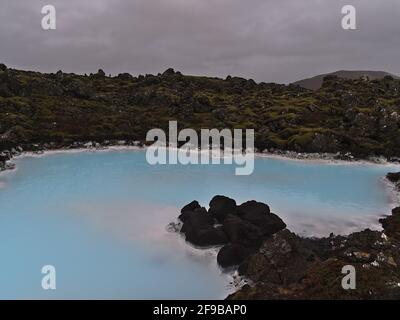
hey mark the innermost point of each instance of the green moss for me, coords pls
(302, 140)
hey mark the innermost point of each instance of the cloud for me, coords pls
(266, 40)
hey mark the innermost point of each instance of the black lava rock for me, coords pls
(221, 207)
(199, 219)
(259, 215)
(233, 255)
(393, 177)
(187, 210)
(207, 236)
(242, 232)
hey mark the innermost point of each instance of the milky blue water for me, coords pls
(99, 219)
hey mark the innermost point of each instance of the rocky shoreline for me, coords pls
(39, 148)
(358, 116)
(395, 179)
(282, 265)
(334, 157)
(7, 155)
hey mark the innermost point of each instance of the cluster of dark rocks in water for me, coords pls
(239, 229)
(279, 264)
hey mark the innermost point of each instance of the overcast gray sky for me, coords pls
(267, 40)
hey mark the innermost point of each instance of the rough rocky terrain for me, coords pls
(357, 118)
(279, 264)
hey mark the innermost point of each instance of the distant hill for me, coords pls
(315, 83)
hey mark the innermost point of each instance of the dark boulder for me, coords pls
(391, 224)
(221, 207)
(187, 210)
(242, 232)
(191, 206)
(168, 72)
(4, 157)
(259, 214)
(233, 255)
(393, 177)
(253, 207)
(207, 236)
(283, 258)
(59, 74)
(199, 219)
(99, 75)
(187, 215)
(125, 76)
(198, 226)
